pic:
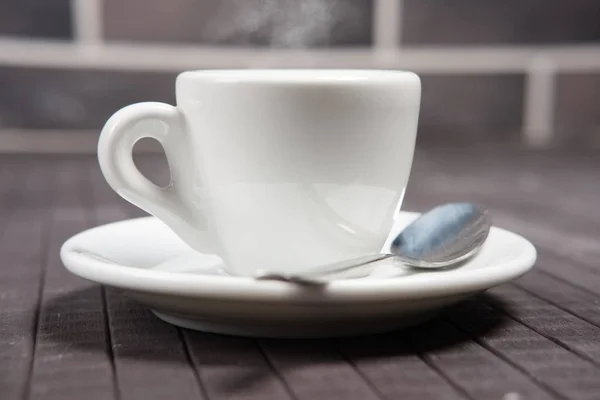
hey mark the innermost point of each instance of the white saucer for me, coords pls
(151, 264)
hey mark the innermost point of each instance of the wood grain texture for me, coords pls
(536, 338)
(314, 369)
(72, 356)
(145, 349)
(234, 368)
(551, 365)
(391, 365)
(563, 328)
(562, 295)
(24, 224)
(473, 369)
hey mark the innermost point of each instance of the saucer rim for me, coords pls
(246, 288)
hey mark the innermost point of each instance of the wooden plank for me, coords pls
(150, 358)
(233, 368)
(568, 271)
(72, 358)
(560, 186)
(24, 229)
(151, 361)
(551, 365)
(314, 370)
(567, 297)
(13, 172)
(391, 366)
(569, 331)
(471, 368)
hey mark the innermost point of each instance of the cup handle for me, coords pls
(166, 124)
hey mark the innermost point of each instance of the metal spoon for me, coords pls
(442, 237)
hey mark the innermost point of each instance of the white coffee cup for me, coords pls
(274, 169)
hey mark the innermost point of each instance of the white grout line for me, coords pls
(399, 21)
(539, 103)
(47, 141)
(386, 24)
(173, 58)
(87, 18)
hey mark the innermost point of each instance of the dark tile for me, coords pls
(473, 22)
(35, 98)
(577, 117)
(276, 23)
(470, 108)
(36, 18)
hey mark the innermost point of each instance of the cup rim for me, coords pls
(301, 76)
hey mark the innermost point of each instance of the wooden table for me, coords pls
(537, 338)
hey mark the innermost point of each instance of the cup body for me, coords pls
(297, 168)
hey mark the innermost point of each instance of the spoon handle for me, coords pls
(353, 268)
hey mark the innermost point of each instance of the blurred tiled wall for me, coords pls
(464, 107)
